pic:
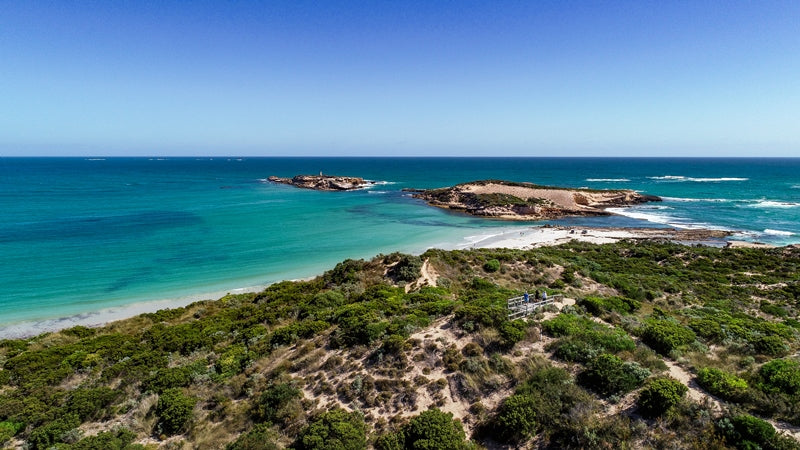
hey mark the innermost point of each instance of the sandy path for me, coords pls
(428, 277)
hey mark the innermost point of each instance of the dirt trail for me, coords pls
(428, 277)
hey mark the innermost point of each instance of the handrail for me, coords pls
(517, 307)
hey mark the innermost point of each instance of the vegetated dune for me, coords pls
(651, 345)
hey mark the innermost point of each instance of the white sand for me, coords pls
(531, 237)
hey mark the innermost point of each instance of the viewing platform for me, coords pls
(518, 307)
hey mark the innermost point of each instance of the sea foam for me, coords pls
(774, 204)
(778, 232)
(607, 180)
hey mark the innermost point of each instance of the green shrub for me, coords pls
(492, 265)
(79, 331)
(91, 403)
(120, 439)
(168, 378)
(722, 384)
(660, 395)
(512, 332)
(51, 433)
(573, 349)
(781, 375)
(769, 345)
(774, 310)
(664, 335)
(708, 329)
(407, 268)
(747, 432)
(232, 361)
(434, 430)
(261, 437)
(609, 375)
(9, 430)
(599, 305)
(273, 400)
(174, 410)
(334, 429)
(516, 419)
(586, 338)
(345, 272)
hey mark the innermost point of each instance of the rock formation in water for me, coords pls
(323, 182)
(526, 201)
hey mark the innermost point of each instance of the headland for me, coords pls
(526, 201)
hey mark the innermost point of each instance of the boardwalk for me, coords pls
(517, 307)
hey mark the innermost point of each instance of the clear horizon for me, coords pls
(508, 78)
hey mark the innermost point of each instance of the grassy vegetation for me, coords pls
(350, 359)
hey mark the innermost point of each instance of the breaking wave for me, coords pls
(774, 204)
(778, 232)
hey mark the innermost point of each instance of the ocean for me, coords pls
(85, 239)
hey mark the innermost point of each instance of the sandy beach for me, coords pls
(534, 237)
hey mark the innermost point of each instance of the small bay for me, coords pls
(80, 235)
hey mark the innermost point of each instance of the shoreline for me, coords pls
(522, 238)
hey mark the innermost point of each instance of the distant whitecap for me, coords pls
(697, 180)
(774, 204)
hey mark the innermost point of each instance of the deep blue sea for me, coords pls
(80, 237)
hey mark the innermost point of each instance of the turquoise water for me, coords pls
(81, 235)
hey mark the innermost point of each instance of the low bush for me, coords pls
(168, 378)
(9, 429)
(261, 437)
(407, 268)
(609, 375)
(747, 432)
(594, 334)
(780, 375)
(92, 403)
(334, 429)
(492, 265)
(269, 405)
(512, 332)
(769, 345)
(665, 335)
(120, 439)
(431, 430)
(722, 384)
(50, 434)
(598, 305)
(516, 419)
(573, 349)
(174, 410)
(660, 395)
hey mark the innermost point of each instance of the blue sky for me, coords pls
(392, 78)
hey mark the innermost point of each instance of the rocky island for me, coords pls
(526, 201)
(323, 182)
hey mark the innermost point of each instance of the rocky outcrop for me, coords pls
(323, 182)
(526, 201)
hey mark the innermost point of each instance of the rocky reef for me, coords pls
(526, 201)
(323, 182)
